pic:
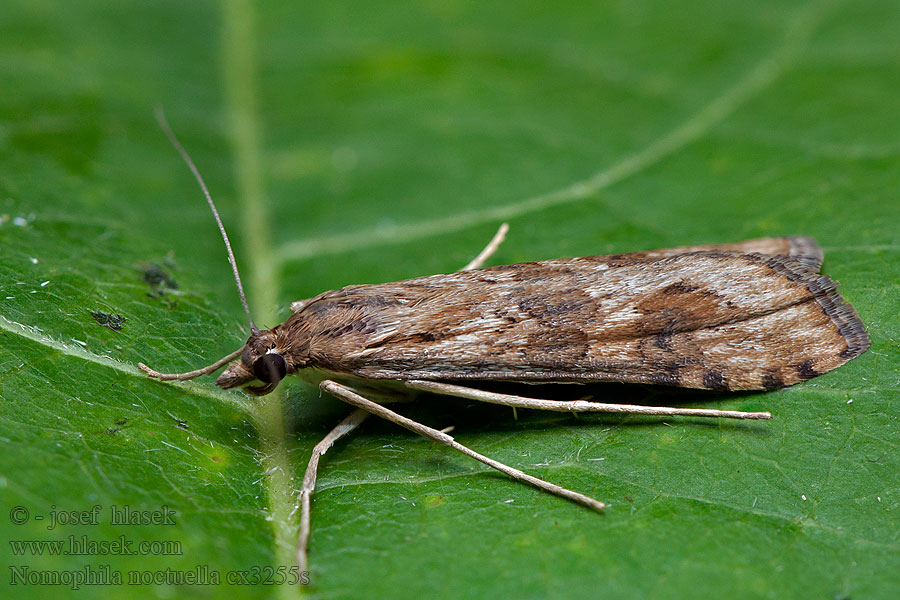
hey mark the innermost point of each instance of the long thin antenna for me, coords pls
(164, 124)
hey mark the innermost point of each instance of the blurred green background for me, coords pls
(360, 142)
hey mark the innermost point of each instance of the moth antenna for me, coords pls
(190, 374)
(164, 125)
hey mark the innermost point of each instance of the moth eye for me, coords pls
(270, 368)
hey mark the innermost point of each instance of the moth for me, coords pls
(753, 315)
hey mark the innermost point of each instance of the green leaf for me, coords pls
(368, 142)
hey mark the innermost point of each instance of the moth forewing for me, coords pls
(712, 319)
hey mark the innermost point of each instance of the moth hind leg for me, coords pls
(349, 396)
(575, 406)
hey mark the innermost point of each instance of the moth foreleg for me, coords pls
(576, 406)
(488, 250)
(347, 395)
(309, 479)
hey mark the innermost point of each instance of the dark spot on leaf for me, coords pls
(156, 276)
(121, 421)
(158, 279)
(113, 321)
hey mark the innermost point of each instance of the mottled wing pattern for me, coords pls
(717, 317)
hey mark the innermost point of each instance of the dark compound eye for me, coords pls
(270, 368)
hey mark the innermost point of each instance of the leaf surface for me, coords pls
(361, 143)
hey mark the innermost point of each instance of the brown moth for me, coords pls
(754, 315)
(749, 316)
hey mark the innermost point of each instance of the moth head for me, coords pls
(262, 359)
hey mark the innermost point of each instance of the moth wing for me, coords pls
(704, 319)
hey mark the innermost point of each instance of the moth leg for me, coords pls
(347, 395)
(309, 479)
(488, 250)
(576, 406)
(190, 374)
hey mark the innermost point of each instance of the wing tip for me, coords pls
(844, 316)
